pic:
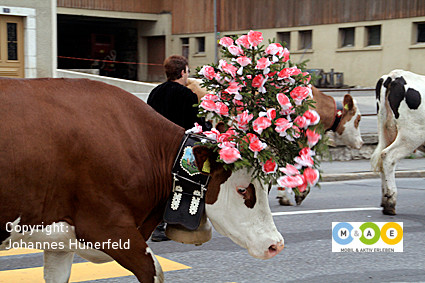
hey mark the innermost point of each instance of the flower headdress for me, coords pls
(264, 101)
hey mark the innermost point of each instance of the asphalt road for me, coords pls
(308, 255)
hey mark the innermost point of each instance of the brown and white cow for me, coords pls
(400, 128)
(85, 161)
(342, 122)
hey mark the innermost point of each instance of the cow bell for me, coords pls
(197, 237)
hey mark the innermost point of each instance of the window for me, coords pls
(305, 41)
(285, 38)
(373, 35)
(12, 41)
(200, 45)
(346, 37)
(185, 47)
(420, 33)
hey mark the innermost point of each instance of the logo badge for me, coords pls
(367, 236)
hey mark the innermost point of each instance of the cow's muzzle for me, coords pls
(274, 249)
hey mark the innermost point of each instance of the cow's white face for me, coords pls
(348, 131)
(241, 212)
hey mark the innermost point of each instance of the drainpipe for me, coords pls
(215, 32)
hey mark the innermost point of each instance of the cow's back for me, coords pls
(67, 141)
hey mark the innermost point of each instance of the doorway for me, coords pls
(11, 47)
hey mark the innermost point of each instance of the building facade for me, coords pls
(362, 39)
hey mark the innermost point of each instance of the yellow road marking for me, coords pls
(84, 271)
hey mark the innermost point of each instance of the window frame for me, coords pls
(343, 35)
(368, 35)
(302, 44)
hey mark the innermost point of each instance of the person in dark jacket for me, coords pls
(175, 101)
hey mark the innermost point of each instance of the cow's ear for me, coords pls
(348, 102)
(203, 158)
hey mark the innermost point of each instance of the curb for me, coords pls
(370, 175)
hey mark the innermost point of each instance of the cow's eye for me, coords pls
(241, 191)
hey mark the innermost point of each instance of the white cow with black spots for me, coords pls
(401, 127)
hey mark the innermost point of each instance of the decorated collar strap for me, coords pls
(187, 200)
(338, 115)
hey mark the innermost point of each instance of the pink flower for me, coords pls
(243, 120)
(208, 72)
(311, 176)
(229, 154)
(300, 93)
(255, 38)
(302, 187)
(285, 55)
(243, 40)
(208, 105)
(307, 151)
(274, 49)
(210, 96)
(235, 50)
(282, 125)
(226, 41)
(271, 75)
(231, 131)
(213, 134)
(289, 170)
(259, 82)
(240, 106)
(197, 129)
(301, 122)
(226, 137)
(221, 108)
(312, 117)
(269, 167)
(250, 138)
(312, 137)
(262, 63)
(228, 68)
(296, 132)
(234, 88)
(271, 113)
(288, 72)
(243, 61)
(260, 124)
(304, 160)
(284, 101)
(219, 78)
(290, 181)
(307, 77)
(257, 145)
(288, 111)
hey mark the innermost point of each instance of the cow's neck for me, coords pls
(326, 107)
(338, 116)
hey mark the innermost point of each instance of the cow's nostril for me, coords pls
(273, 249)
